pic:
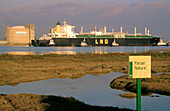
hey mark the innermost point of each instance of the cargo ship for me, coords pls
(65, 36)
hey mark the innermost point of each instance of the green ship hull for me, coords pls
(92, 40)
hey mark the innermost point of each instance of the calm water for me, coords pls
(74, 50)
(94, 90)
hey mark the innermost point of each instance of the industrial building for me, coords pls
(20, 34)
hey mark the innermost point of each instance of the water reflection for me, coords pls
(21, 53)
(42, 53)
(75, 50)
(59, 52)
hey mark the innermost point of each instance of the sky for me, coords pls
(154, 14)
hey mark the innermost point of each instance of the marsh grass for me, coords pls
(15, 68)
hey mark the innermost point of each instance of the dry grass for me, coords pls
(32, 102)
(16, 69)
(21, 102)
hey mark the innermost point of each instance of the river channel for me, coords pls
(90, 89)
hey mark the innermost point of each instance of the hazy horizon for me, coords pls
(153, 14)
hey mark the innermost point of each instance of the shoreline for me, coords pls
(14, 45)
(27, 44)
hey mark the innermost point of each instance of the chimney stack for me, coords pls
(95, 28)
(135, 30)
(81, 29)
(58, 27)
(148, 31)
(105, 30)
(145, 30)
(113, 30)
(121, 30)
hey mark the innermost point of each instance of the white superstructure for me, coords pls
(66, 31)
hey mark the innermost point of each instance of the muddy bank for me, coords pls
(27, 68)
(32, 102)
(159, 84)
(160, 50)
(130, 95)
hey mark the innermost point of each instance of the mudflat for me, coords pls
(27, 68)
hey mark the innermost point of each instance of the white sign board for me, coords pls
(21, 33)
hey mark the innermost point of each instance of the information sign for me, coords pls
(139, 66)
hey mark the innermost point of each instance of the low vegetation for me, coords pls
(27, 68)
(32, 102)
